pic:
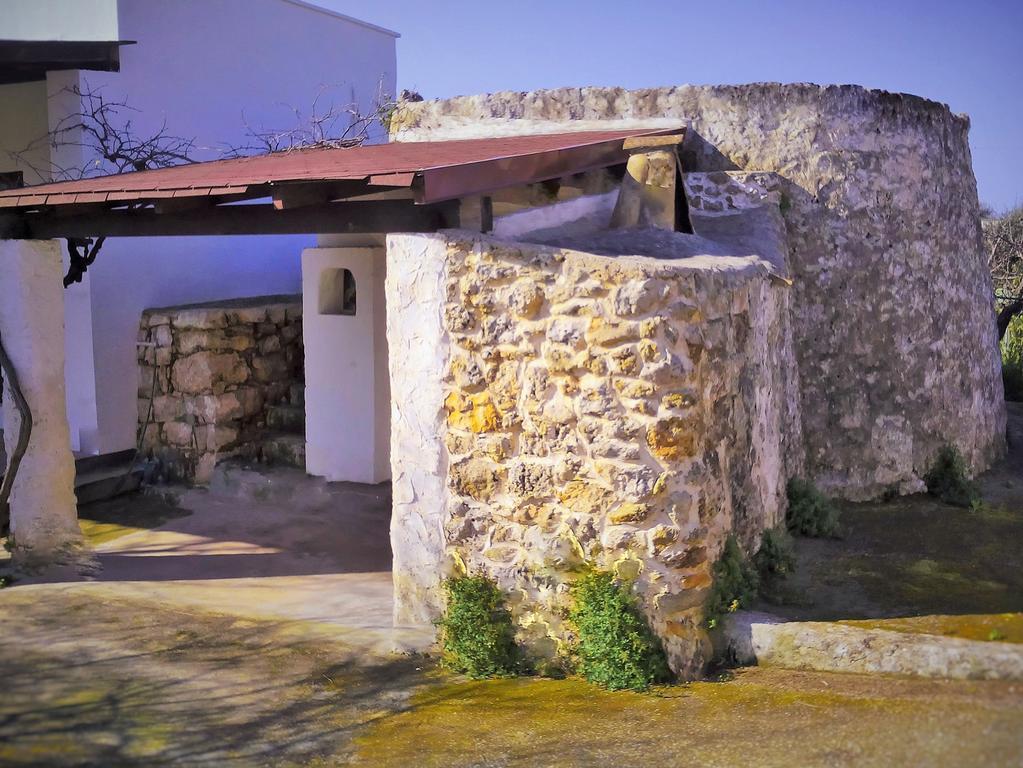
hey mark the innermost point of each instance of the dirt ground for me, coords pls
(917, 557)
(248, 625)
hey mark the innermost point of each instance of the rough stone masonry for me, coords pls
(209, 375)
(626, 400)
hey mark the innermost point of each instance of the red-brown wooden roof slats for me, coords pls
(450, 169)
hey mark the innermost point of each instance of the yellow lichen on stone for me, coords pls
(582, 496)
(634, 389)
(605, 334)
(648, 350)
(629, 512)
(476, 478)
(627, 568)
(677, 400)
(474, 412)
(671, 439)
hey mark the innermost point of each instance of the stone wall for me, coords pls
(214, 371)
(625, 412)
(892, 310)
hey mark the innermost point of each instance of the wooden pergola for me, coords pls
(379, 189)
(398, 187)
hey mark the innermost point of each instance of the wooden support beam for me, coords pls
(476, 213)
(301, 195)
(356, 217)
(653, 142)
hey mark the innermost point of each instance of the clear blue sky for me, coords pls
(967, 53)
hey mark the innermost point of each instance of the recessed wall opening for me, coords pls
(337, 294)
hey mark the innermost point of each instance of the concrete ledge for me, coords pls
(757, 638)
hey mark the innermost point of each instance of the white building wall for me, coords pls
(23, 129)
(76, 20)
(206, 68)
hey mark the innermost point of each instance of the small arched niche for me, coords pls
(337, 292)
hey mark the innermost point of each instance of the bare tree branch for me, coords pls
(103, 129)
(324, 125)
(1003, 240)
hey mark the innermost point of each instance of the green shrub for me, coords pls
(616, 648)
(477, 633)
(1012, 360)
(810, 513)
(735, 583)
(775, 559)
(949, 480)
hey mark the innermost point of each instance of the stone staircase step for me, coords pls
(98, 486)
(286, 418)
(106, 475)
(283, 448)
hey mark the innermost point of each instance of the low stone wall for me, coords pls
(213, 370)
(624, 412)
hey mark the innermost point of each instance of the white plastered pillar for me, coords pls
(44, 517)
(347, 396)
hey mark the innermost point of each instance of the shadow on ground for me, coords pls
(100, 683)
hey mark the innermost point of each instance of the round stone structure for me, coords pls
(892, 312)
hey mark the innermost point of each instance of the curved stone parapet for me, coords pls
(892, 309)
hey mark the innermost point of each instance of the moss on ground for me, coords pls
(1002, 627)
(762, 717)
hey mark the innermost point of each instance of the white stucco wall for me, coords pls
(206, 83)
(347, 390)
(58, 20)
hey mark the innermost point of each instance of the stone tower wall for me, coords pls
(891, 305)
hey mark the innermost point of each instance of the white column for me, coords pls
(347, 398)
(419, 346)
(44, 517)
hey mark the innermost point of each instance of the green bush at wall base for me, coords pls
(948, 479)
(810, 512)
(735, 583)
(477, 633)
(775, 559)
(617, 650)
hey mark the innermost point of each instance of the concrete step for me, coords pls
(283, 449)
(286, 418)
(765, 640)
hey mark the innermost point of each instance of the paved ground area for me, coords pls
(93, 679)
(248, 625)
(275, 545)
